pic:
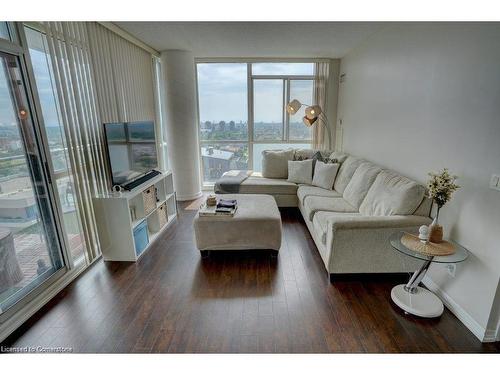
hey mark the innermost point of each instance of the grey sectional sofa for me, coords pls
(351, 223)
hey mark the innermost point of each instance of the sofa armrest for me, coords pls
(372, 222)
(360, 244)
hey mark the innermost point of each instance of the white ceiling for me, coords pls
(254, 39)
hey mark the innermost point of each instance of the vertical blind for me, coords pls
(124, 77)
(99, 77)
(68, 49)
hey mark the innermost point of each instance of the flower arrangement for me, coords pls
(441, 186)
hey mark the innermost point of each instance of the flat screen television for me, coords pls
(131, 150)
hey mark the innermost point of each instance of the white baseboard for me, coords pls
(481, 333)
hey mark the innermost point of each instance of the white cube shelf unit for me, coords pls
(126, 228)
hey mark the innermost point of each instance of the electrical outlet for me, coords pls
(451, 268)
(495, 182)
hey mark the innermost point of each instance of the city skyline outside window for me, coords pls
(223, 100)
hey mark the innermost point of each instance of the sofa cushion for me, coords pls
(320, 221)
(339, 156)
(315, 204)
(392, 194)
(300, 172)
(305, 191)
(275, 163)
(360, 183)
(324, 174)
(424, 209)
(347, 169)
(256, 184)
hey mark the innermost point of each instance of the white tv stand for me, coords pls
(116, 225)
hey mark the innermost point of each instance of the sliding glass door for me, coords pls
(30, 252)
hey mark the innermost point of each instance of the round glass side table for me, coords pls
(410, 297)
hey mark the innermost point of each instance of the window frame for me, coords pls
(250, 141)
(286, 79)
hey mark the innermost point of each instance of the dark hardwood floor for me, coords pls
(174, 301)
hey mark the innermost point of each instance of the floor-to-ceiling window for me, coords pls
(242, 112)
(54, 132)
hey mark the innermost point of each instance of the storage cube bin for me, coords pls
(162, 215)
(158, 219)
(141, 238)
(149, 199)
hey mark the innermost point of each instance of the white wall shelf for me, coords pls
(116, 223)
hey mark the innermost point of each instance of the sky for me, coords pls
(222, 89)
(222, 92)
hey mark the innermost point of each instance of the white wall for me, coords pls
(419, 97)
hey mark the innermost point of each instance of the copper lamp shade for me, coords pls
(293, 106)
(309, 121)
(313, 111)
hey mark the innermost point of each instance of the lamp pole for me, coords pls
(328, 130)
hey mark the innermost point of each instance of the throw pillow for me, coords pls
(306, 156)
(300, 172)
(274, 163)
(340, 156)
(303, 154)
(324, 174)
(330, 161)
(316, 156)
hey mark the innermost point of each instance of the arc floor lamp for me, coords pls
(312, 114)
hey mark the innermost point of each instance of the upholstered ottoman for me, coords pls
(256, 224)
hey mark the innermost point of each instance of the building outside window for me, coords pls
(242, 112)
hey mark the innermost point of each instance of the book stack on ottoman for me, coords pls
(218, 206)
(255, 224)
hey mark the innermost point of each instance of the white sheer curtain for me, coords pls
(320, 96)
(68, 48)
